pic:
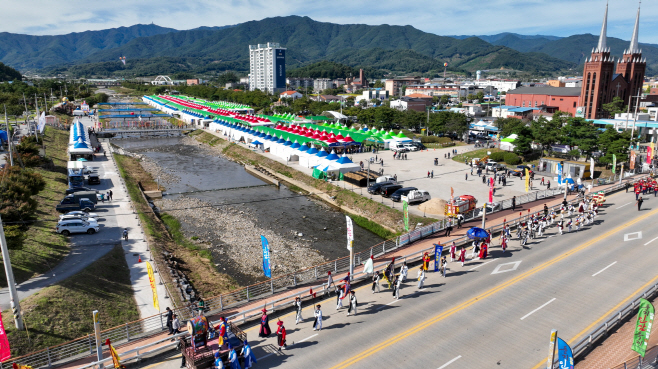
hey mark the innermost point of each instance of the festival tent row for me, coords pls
(79, 144)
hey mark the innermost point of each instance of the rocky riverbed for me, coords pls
(233, 236)
(163, 176)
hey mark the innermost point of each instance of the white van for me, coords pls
(397, 146)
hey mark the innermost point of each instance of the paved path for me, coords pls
(493, 313)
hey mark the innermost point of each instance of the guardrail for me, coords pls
(155, 324)
(650, 360)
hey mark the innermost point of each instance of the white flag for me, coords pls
(368, 266)
(591, 168)
(350, 232)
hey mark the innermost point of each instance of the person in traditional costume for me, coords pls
(453, 251)
(444, 265)
(404, 270)
(375, 281)
(426, 261)
(483, 251)
(248, 355)
(353, 303)
(339, 297)
(265, 330)
(298, 307)
(317, 324)
(219, 363)
(421, 278)
(503, 243)
(222, 331)
(475, 249)
(388, 273)
(462, 255)
(281, 335)
(396, 288)
(330, 281)
(233, 358)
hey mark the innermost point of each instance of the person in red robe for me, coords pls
(453, 251)
(265, 330)
(503, 243)
(483, 251)
(426, 261)
(462, 256)
(281, 335)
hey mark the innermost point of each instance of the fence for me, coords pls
(650, 360)
(155, 324)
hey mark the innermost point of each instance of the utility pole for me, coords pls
(13, 295)
(26, 111)
(637, 103)
(9, 137)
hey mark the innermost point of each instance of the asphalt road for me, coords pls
(493, 313)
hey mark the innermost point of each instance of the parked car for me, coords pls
(418, 196)
(93, 179)
(66, 227)
(388, 190)
(78, 189)
(374, 189)
(80, 213)
(411, 147)
(419, 145)
(521, 172)
(76, 217)
(397, 195)
(491, 164)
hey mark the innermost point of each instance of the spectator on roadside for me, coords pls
(175, 324)
(170, 317)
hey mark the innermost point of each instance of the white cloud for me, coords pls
(443, 17)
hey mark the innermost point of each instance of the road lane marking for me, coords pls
(651, 241)
(635, 236)
(537, 309)
(443, 315)
(594, 275)
(450, 362)
(477, 266)
(266, 356)
(513, 266)
(619, 207)
(307, 338)
(607, 314)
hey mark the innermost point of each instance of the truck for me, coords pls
(418, 196)
(74, 201)
(460, 205)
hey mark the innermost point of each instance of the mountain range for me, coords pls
(150, 49)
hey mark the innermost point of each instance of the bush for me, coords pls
(497, 156)
(435, 139)
(512, 159)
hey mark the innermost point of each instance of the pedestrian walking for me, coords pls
(317, 324)
(181, 347)
(102, 195)
(281, 335)
(330, 281)
(298, 306)
(353, 304)
(542, 181)
(175, 325)
(170, 318)
(339, 297)
(462, 256)
(404, 270)
(444, 266)
(248, 355)
(421, 278)
(375, 281)
(453, 251)
(513, 203)
(428, 174)
(396, 288)
(548, 185)
(448, 229)
(110, 195)
(639, 203)
(460, 220)
(628, 185)
(265, 330)
(466, 176)
(484, 179)
(432, 176)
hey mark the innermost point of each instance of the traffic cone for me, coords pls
(139, 260)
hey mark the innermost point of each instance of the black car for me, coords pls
(397, 195)
(78, 189)
(93, 179)
(375, 188)
(388, 190)
(419, 145)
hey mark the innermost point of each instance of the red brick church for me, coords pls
(602, 82)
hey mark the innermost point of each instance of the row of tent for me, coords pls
(79, 142)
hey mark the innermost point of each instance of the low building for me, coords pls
(555, 83)
(322, 84)
(454, 91)
(327, 98)
(193, 81)
(408, 103)
(297, 83)
(291, 95)
(502, 85)
(548, 99)
(394, 86)
(374, 93)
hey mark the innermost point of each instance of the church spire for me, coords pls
(635, 49)
(603, 38)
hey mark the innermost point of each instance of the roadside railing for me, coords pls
(155, 324)
(650, 360)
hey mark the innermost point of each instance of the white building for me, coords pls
(267, 67)
(322, 84)
(499, 84)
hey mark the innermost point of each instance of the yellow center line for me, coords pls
(356, 358)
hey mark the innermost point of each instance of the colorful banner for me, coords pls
(350, 232)
(559, 174)
(19, 366)
(438, 250)
(405, 210)
(5, 351)
(614, 163)
(491, 189)
(527, 180)
(643, 327)
(116, 360)
(633, 158)
(564, 354)
(266, 257)
(649, 153)
(156, 301)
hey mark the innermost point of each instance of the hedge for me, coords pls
(497, 156)
(512, 159)
(434, 139)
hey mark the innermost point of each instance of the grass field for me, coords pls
(43, 248)
(62, 312)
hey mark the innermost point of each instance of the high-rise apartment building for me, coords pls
(267, 67)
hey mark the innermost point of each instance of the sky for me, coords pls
(441, 17)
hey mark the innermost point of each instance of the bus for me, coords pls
(76, 177)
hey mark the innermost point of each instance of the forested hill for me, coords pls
(9, 74)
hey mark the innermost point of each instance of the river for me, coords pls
(200, 193)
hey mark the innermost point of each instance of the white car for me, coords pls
(76, 217)
(66, 227)
(79, 214)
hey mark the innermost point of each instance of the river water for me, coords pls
(195, 177)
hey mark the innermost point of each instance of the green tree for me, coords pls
(445, 99)
(614, 107)
(611, 143)
(480, 96)
(580, 132)
(470, 97)
(522, 144)
(507, 126)
(545, 132)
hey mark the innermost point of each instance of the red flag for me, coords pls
(5, 352)
(311, 293)
(491, 189)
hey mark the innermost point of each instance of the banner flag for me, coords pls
(633, 157)
(405, 210)
(649, 153)
(643, 327)
(438, 250)
(491, 189)
(156, 302)
(559, 174)
(116, 360)
(564, 354)
(591, 168)
(5, 351)
(266, 257)
(368, 266)
(350, 232)
(614, 163)
(19, 366)
(527, 180)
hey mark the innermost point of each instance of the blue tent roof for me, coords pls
(344, 160)
(303, 148)
(268, 137)
(80, 144)
(256, 142)
(312, 150)
(281, 140)
(288, 143)
(295, 145)
(321, 154)
(332, 156)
